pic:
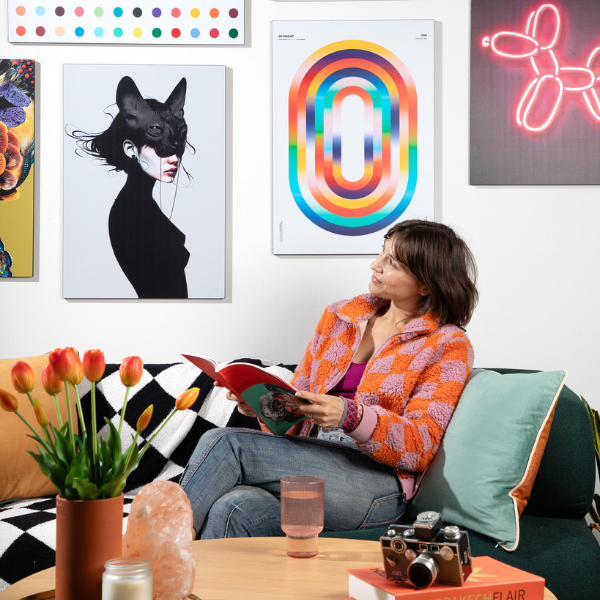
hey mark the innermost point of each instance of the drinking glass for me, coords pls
(302, 512)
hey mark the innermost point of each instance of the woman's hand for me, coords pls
(242, 407)
(324, 410)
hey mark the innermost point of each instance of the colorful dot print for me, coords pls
(117, 21)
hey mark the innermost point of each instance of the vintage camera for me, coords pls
(424, 552)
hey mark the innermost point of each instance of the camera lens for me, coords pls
(423, 571)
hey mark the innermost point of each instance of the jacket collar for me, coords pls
(360, 309)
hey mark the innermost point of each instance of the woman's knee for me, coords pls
(244, 511)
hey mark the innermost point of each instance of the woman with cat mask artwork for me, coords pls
(146, 140)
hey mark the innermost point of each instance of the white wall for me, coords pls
(536, 247)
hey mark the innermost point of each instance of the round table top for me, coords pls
(256, 569)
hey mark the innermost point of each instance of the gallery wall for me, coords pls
(536, 246)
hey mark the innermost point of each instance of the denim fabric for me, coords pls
(232, 481)
(337, 436)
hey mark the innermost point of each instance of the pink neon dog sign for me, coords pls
(543, 95)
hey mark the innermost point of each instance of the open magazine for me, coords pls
(265, 393)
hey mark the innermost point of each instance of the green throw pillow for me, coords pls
(481, 478)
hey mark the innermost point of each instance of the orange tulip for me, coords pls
(186, 399)
(131, 370)
(51, 383)
(22, 377)
(8, 402)
(76, 379)
(40, 413)
(144, 419)
(93, 365)
(63, 363)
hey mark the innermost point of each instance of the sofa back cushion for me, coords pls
(20, 475)
(483, 474)
(564, 486)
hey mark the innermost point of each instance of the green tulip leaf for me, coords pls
(62, 446)
(114, 442)
(86, 489)
(107, 466)
(80, 470)
(44, 443)
(114, 488)
(41, 463)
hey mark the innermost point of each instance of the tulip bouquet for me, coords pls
(83, 467)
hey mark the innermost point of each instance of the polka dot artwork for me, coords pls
(165, 22)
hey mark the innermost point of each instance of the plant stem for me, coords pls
(130, 451)
(147, 444)
(70, 415)
(35, 433)
(123, 409)
(57, 409)
(79, 409)
(94, 434)
(30, 398)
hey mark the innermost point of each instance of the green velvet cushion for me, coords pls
(490, 453)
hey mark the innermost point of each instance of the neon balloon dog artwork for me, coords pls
(543, 95)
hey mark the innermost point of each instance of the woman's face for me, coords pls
(161, 168)
(394, 281)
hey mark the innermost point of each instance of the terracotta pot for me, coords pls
(88, 533)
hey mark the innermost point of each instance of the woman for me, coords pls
(383, 374)
(146, 140)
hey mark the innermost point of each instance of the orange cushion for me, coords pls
(20, 475)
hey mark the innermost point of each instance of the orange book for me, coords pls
(490, 580)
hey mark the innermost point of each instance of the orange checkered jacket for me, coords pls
(409, 389)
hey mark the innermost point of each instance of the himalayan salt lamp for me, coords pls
(160, 528)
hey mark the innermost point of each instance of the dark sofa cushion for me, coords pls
(564, 486)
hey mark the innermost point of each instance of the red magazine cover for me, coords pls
(265, 393)
(490, 580)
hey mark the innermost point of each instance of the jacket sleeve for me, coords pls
(405, 431)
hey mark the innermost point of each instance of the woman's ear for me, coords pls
(424, 292)
(130, 149)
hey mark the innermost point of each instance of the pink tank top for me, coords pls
(348, 384)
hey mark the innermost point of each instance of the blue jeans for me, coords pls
(232, 481)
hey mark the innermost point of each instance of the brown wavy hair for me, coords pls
(442, 261)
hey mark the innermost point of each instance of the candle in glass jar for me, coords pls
(128, 578)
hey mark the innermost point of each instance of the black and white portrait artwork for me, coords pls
(144, 181)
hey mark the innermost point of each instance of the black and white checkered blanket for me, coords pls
(28, 528)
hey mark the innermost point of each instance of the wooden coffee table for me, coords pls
(257, 569)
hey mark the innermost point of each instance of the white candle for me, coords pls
(128, 578)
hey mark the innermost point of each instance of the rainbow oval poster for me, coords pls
(352, 132)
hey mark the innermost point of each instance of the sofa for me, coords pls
(554, 539)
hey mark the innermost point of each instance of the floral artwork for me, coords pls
(17, 93)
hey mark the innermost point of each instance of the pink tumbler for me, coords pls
(302, 512)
